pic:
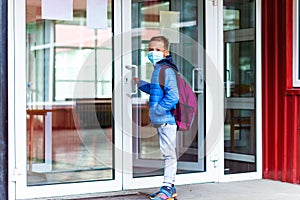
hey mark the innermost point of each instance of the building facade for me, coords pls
(280, 30)
(78, 125)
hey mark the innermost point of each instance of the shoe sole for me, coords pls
(174, 197)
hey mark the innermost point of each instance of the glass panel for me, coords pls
(238, 14)
(186, 54)
(239, 76)
(239, 69)
(69, 98)
(231, 19)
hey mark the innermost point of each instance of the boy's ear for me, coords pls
(166, 53)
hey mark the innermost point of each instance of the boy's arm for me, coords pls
(144, 86)
(171, 96)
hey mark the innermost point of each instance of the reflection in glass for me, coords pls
(69, 98)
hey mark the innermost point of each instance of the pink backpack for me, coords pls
(186, 109)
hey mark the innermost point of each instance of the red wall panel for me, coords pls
(281, 102)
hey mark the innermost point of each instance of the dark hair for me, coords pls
(161, 39)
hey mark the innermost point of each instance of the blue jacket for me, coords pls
(162, 102)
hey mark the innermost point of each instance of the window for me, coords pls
(65, 56)
(296, 32)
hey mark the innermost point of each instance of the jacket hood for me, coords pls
(168, 61)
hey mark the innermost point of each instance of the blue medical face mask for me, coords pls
(155, 56)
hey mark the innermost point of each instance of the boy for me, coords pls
(162, 102)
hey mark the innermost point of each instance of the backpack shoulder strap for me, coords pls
(162, 76)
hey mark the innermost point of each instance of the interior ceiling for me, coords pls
(77, 4)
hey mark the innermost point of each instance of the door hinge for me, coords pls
(16, 173)
(214, 2)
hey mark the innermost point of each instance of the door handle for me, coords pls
(198, 90)
(134, 73)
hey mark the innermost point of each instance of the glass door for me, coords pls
(183, 23)
(240, 86)
(66, 138)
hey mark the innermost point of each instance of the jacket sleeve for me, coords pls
(171, 95)
(144, 86)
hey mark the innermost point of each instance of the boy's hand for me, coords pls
(136, 80)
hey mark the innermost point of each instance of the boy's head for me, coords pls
(159, 43)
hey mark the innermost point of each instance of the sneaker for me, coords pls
(165, 193)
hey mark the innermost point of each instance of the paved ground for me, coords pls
(122, 197)
(244, 190)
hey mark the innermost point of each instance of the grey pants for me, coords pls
(167, 140)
